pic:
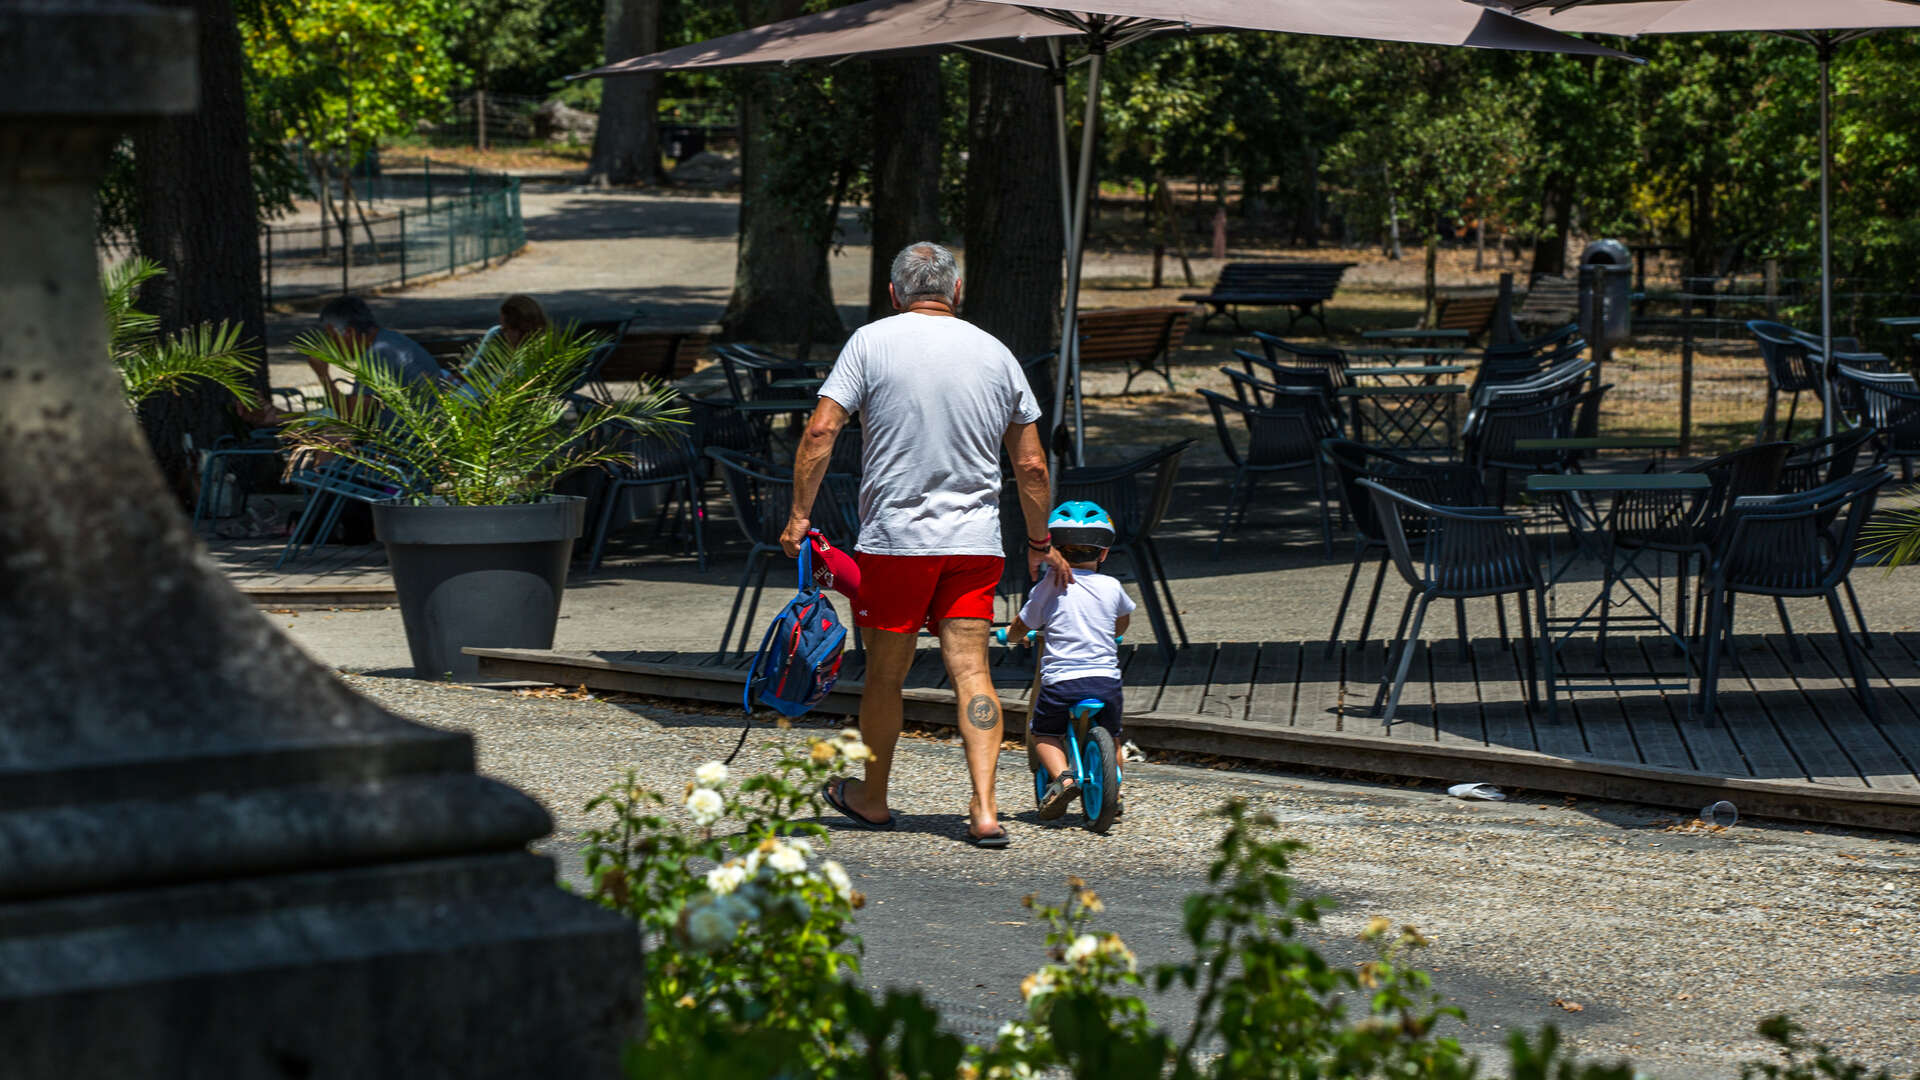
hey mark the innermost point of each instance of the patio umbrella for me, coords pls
(892, 27)
(1824, 25)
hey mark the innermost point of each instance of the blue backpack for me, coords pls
(799, 658)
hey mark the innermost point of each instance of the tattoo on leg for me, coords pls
(983, 711)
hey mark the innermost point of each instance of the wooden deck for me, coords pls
(336, 576)
(1792, 741)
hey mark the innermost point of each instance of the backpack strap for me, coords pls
(806, 565)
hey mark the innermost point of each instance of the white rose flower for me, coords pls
(786, 859)
(706, 806)
(709, 928)
(837, 877)
(712, 774)
(754, 859)
(805, 845)
(725, 879)
(848, 734)
(1082, 949)
(857, 751)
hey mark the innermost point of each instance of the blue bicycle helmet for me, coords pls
(1080, 524)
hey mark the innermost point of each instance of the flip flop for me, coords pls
(994, 840)
(835, 793)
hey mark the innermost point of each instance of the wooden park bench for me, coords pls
(1456, 316)
(664, 354)
(1551, 301)
(1141, 338)
(1303, 286)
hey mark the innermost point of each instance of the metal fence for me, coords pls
(1691, 368)
(411, 218)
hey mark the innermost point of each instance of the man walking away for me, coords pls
(937, 398)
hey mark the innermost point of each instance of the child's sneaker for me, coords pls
(1059, 796)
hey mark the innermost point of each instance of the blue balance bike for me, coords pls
(1091, 754)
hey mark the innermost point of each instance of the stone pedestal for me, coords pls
(215, 860)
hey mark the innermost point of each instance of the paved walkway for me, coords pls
(595, 254)
(1671, 944)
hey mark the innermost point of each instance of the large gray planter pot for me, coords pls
(483, 576)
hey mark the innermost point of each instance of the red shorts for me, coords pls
(902, 593)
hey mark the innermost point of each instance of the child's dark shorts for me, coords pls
(1050, 711)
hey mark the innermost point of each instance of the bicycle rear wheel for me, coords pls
(1100, 780)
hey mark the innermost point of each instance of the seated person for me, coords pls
(520, 318)
(348, 320)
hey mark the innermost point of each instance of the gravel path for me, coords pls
(1672, 943)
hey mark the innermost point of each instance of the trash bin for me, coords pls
(1606, 266)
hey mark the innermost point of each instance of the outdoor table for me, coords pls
(1656, 445)
(1903, 322)
(797, 383)
(1592, 536)
(1426, 373)
(772, 406)
(1404, 332)
(1388, 353)
(1405, 419)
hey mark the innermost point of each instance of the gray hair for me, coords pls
(349, 313)
(923, 270)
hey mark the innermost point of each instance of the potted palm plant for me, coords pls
(477, 539)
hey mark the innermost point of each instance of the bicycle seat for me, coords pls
(1086, 709)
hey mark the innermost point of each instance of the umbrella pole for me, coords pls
(1825, 44)
(1069, 342)
(1076, 246)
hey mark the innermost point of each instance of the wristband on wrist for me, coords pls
(1041, 546)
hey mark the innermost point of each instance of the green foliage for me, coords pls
(151, 363)
(748, 938)
(502, 433)
(1804, 1060)
(339, 75)
(751, 953)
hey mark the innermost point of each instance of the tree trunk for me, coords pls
(781, 289)
(1550, 247)
(626, 146)
(1013, 230)
(1306, 221)
(907, 109)
(198, 218)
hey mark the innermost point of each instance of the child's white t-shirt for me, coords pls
(1078, 623)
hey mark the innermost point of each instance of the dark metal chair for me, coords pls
(663, 459)
(1888, 401)
(762, 495)
(1285, 438)
(1443, 483)
(1296, 354)
(760, 501)
(1793, 545)
(1136, 494)
(216, 476)
(1559, 338)
(1686, 527)
(331, 486)
(1792, 368)
(1469, 552)
(1250, 384)
(1499, 428)
(1822, 460)
(718, 425)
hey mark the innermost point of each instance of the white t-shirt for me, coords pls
(935, 395)
(1078, 623)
